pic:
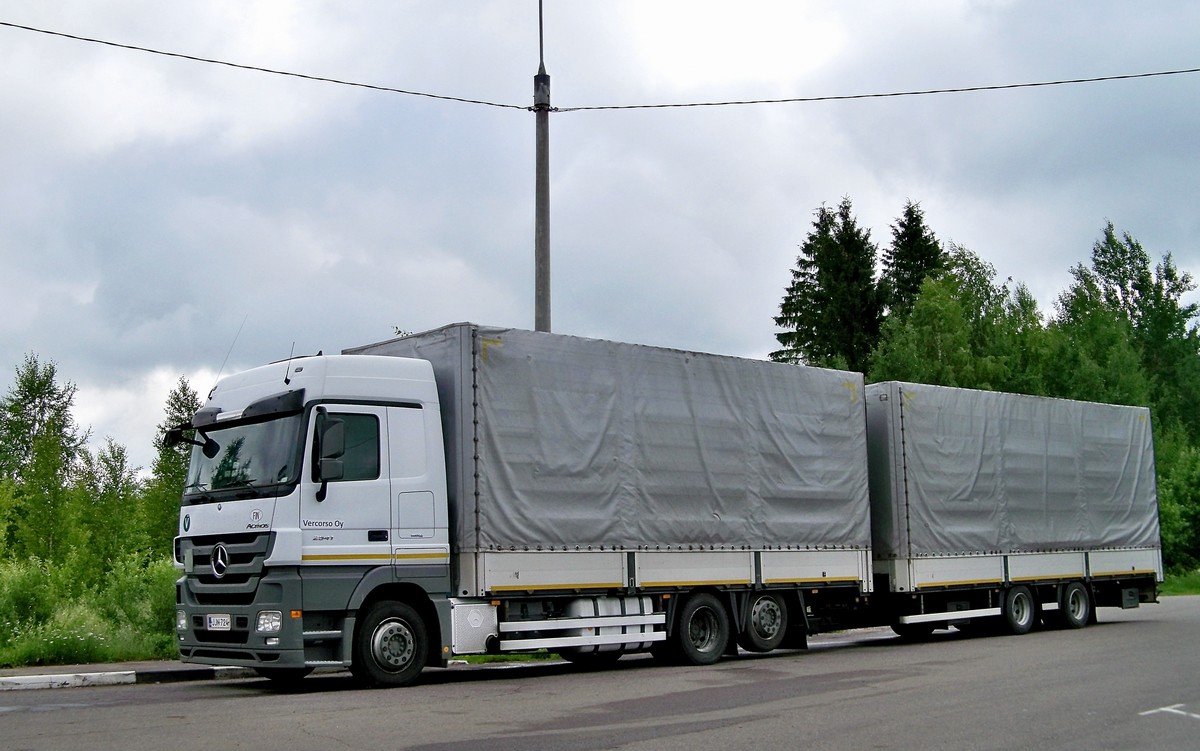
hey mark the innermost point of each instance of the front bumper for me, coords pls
(240, 644)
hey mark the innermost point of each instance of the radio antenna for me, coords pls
(287, 373)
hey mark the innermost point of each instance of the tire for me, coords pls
(1074, 606)
(766, 623)
(284, 677)
(703, 630)
(1020, 610)
(390, 646)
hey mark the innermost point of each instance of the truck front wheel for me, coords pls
(390, 647)
(703, 630)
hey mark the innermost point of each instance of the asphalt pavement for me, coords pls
(174, 671)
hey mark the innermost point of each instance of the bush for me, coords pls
(76, 633)
(47, 617)
(26, 596)
(139, 594)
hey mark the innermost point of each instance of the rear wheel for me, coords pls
(703, 630)
(766, 623)
(390, 647)
(1075, 606)
(1019, 610)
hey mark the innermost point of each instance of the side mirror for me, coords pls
(328, 449)
(332, 438)
(210, 448)
(175, 437)
(330, 469)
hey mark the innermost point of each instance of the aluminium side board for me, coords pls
(975, 487)
(668, 468)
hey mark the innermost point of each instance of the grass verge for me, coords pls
(1181, 584)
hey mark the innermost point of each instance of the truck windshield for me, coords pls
(249, 458)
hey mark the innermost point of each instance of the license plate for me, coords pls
(220, 622)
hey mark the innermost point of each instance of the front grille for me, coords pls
(247, 552)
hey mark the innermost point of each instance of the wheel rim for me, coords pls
(703, 629)
(1022, 609)
(1076, 604)
(765, 617)
(393, 645)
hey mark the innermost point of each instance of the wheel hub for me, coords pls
(702, 630)
(765, 617)
(392, 644)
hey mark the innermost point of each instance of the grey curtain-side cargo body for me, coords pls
(564, 443)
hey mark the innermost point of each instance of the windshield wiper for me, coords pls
(239, 483)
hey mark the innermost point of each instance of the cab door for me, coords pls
(348, 520)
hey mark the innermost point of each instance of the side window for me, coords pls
(361, 460)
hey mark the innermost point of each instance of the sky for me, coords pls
(164, 218)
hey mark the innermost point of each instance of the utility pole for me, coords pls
(541, 229)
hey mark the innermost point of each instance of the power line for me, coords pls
(606, 107)
(847, 97)
(256, 68)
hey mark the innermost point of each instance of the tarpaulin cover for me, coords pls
(558, 441)
(961, 471)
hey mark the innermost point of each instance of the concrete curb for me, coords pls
(121, 677)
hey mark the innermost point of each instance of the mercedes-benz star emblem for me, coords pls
(220, 560)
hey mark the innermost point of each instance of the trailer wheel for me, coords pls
(1019, 610)
(1075, 607)
(766, 623)
(703, 630)
(390, 647)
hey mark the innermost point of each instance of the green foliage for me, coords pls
(1092, 346)
(914, 256)
(1181, 583)
(1178, 499)
(965, 330)
(48, 617)
(26, 597)
(140, 594)
(85, 545)
(35, 409)
(106, 500)
(830, 313)
(160, 497)
(1119, 334)
(1161, 329)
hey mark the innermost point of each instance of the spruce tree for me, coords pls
(800, 312)
(914, 255)
(830, 313)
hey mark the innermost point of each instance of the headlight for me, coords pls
(269, 622)
(180, 620)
